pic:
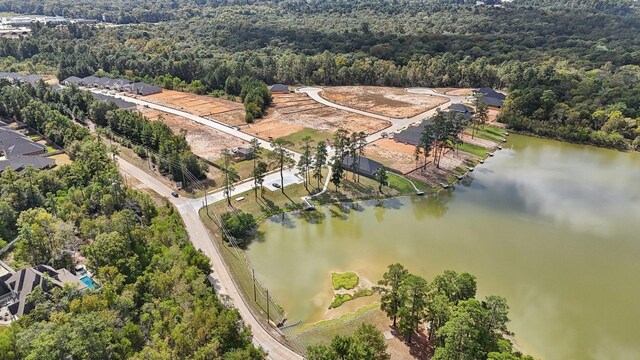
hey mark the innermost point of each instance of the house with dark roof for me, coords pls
(89, 81)
(72, 80)
(490, 97)
(364, 166)
(15, 288)
(15, 77)
(119, 84)
(460, 109)
(412, 134)
(279, 89)
(143, 89)
(121, 104)
(18, 151)
(244, 153)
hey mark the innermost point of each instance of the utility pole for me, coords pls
(255, 297)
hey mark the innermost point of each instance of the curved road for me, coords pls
(397, 124)
(198, 234)
(202, 240)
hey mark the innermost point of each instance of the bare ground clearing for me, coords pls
(392, 154)
(204, 141)
(459, 92)
(488, 144)
(387, 101)
(450, 161)
(291, 113)
(228, 112)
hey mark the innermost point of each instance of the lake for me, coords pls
(552, 227)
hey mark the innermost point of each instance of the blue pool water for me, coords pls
(87, 281)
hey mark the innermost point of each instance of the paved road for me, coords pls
(397, 124)
(201, 239)
(199, 119)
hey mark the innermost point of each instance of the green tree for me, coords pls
(456, 287)
(392, 299)
(43, 237)
(230, 176)
(381, 177)
(238, 224)
(259, 173)
(281, 157)
(255, 153)
(412, 312)
(306, 159)
(337, 172)
(320, 160)
(480, 117)
(366, 343)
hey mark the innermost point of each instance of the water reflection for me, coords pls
(552, 227)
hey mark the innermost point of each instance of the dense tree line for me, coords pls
(155, 300)
(406, 43)
(460, 326)
(600, 107)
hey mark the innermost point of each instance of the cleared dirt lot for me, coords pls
(291, 113)
(204, 141)
(387, 101)
(393, 155)
(228, 112)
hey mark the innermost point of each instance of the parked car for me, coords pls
(174, 194)
(276, 185)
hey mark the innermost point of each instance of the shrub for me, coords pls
(238, 224)
(347, 280)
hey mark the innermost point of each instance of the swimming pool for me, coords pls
(87, 281)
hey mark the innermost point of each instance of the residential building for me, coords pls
(461, 109)
(143, 89)
(279, 89)
(490, 97)
(18, 151)
(244, 153)
(366, 167)
(15, 288)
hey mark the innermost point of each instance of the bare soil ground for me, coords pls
(392, 154)
(493, 114)
(228, 112)
(450, 161)
(204, 141)
(387, 101)
(459, 92)
(291, 113)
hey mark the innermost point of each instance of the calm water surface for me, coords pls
(553, 227)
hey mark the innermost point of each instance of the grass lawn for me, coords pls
(236, 263)
(315, 136)
(339, 299)
(473, 149)
(488, 132)
(267, 204)
(323, 332)
(403, 186)
(50, 148)
(245, 167)
(346, 280)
